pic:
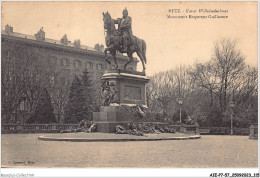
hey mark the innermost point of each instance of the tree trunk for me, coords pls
(225, 95)
(211, 98)
(15, 116)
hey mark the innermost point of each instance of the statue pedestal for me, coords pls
(190, 129)
(253, 131)
(121, 90)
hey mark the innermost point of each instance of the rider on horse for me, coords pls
(125, 29)
(131, 44)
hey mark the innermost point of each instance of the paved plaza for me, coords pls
(25, 150)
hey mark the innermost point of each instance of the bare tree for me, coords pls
(59, 90)
(186, 84)
(166, 87)
(205, 76)
(228, 63)
(12, 84)
(162, 89)
(207, 87)
(244, 89)
(24, 75)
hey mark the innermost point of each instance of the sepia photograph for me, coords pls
(129, 84)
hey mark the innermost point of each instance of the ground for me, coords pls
(25, 150)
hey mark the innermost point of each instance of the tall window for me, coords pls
(77, 63)
(52, 80)
(67, 75)
(22, 105)
(64, 62)
(54, 60)
(99, 66)
(37, 77)
(67, 62)
(8, 53)
(89, 65)
(61, 62)
(63, 81)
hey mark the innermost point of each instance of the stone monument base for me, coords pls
(111, 116)
(190, 129)
(121, 91)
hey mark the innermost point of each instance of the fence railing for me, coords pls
(52, 128)
(35, 128)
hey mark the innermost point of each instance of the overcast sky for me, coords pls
(170, 42)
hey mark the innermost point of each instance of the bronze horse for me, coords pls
(113, 43)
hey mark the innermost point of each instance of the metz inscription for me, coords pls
(132, 93)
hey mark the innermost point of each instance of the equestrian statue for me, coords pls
(122, 39)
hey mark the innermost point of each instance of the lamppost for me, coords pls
(180, 103)
(231, 118)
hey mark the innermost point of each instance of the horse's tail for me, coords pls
(144, 50)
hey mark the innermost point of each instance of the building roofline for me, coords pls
(54, 44)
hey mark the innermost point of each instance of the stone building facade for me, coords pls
(67, 58)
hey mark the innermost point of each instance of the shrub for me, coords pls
(44, 110)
